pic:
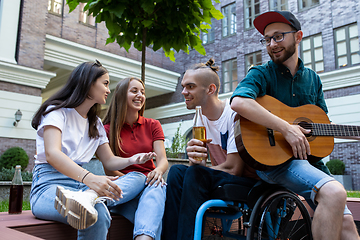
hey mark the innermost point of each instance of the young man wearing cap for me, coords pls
(189, 187)
(286, 79)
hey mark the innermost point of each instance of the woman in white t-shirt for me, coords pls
(69, 133)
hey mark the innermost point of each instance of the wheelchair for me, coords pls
(262, 211)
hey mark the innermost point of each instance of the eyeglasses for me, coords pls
(279, 37)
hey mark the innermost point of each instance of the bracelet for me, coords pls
(82, 180)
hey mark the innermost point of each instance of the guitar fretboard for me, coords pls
(320, 129)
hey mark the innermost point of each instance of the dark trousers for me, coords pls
(188, 188)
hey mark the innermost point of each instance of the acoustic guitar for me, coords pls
(261, 147)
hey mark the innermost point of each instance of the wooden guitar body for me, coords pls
(260, 147)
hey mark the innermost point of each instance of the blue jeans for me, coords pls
(145, 210)
(188, 188)
(300, 177)
(43, 192)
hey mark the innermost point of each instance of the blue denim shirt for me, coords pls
(276, 80)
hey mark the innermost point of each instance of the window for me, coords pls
(84, 17)
(278, 5)
(312, 53)
(304, 4)
(229, 75)
(209, 37)
(55, 6)
(252, 10)
(229, 20)
(347, 46)
(252, 59)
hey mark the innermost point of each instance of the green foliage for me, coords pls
(8, 174)
(177, 146)
(336, 166)
(167, 24)
(4, 206)
(354, 194)
(14, 156)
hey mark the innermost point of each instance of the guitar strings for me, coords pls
(321, 129)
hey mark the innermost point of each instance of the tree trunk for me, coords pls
(143, 54)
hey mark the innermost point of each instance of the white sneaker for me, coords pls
(78, 206)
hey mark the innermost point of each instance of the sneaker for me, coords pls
(77, 206)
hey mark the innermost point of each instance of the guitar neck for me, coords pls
(335, 130)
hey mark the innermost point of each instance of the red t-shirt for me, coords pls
(139, 139)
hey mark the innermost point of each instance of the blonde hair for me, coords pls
(116, 113)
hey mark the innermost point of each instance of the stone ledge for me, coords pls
(5, 190)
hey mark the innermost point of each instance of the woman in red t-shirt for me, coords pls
(130, 133)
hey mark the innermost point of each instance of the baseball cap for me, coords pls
(267, 18)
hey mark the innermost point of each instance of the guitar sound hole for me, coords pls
(307, 125)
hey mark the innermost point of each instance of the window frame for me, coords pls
(312, 50)
(253, 15)
(348, 49)
(254, 55)
(279, 5)
(308, 7)
(230, 72)
(88, 17)
(52, 6)
(210, 35)
(231, 23)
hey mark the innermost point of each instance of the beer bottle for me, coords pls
(199, 131)
(16, 192)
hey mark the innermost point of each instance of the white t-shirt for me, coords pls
(221, 131)
(75, 141)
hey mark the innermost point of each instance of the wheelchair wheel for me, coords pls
(281, 216)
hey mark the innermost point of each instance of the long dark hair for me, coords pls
(116, 113)
(74, 93)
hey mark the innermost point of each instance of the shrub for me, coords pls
(177, 146)
(336, 166)
(8, 174)
(14, 156)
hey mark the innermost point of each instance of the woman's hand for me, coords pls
(103, 186)
(155, 176)
(141, 158)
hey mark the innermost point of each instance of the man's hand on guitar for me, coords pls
(197, 151)
(285, 140)
(295, 136)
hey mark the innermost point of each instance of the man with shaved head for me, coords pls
(190, 186)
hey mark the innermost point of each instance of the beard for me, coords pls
(288, 52)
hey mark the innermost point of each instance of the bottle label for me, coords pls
(199, 133)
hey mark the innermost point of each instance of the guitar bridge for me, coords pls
(271, 137)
